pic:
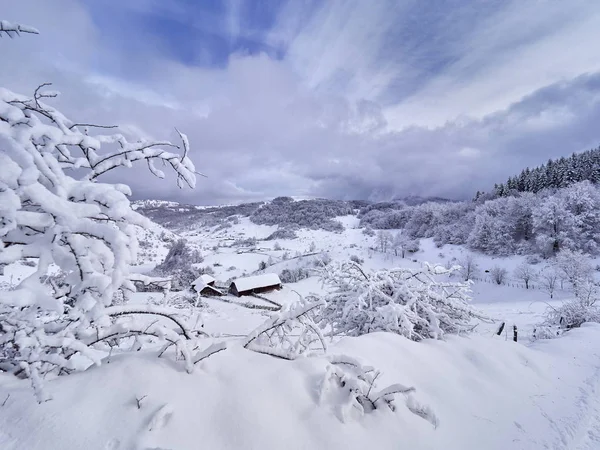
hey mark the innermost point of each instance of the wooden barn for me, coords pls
(205, 285)
(255, 285)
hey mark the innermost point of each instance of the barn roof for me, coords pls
(256, 282)
(202, 281)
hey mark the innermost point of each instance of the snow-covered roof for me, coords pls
(202, 281)
(257, 281)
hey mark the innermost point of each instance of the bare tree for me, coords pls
(468, 267)
(384, 239)
(549, 278)
(499, 274)
(525, 273)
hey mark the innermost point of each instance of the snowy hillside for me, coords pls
(483, 391)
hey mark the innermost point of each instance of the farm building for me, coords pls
(255, 285)
(205, 285)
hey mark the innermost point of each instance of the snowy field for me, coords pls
(480, 391)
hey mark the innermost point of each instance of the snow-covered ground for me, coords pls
(485, 390)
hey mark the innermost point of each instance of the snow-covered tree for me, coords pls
(469, 267)
(179, 265)
(552, 225)
(417, 304)
(576, 268)
(53, 207)
(525, 273)
(548, 279)
(498, 274)
(384, 240)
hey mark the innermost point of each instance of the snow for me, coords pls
(257, 281)
(486, 393)
(202, 281)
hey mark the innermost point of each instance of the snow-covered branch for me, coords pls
(70, 219)
(12, 29)
(274, 337)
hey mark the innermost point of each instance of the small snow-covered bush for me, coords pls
(573, 313)
(414, 303)
(356, 259)
(498, 274)
(368, 231)
(352, 388)
(294, 275)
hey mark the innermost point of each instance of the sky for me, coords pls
(345, 99)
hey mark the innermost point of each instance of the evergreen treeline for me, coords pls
(554, 174)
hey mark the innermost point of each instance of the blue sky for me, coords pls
(348, 99)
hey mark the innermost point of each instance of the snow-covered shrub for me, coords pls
(294, 275)
(277, 246)
(414, 303)
(54, 208)
(289, 333)
(498, 274)
(351, 387)
(546, 332)
(573, 313)
(356, 259)
(245, 242)
(284, 233)
(368, 231)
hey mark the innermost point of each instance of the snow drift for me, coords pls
(487, 393)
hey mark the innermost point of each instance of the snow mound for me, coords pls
(487, 393)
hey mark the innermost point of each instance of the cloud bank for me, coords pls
(342, 99)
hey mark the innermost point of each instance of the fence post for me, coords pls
(501, 329)
(515, 333)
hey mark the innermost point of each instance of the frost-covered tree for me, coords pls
(498, 274)
(576, 268)
(53, 207)
(384, 240)
(552, 225)
(525, 273)
(417, 304)
(469, 267)
(179, 265)
(549, 280)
